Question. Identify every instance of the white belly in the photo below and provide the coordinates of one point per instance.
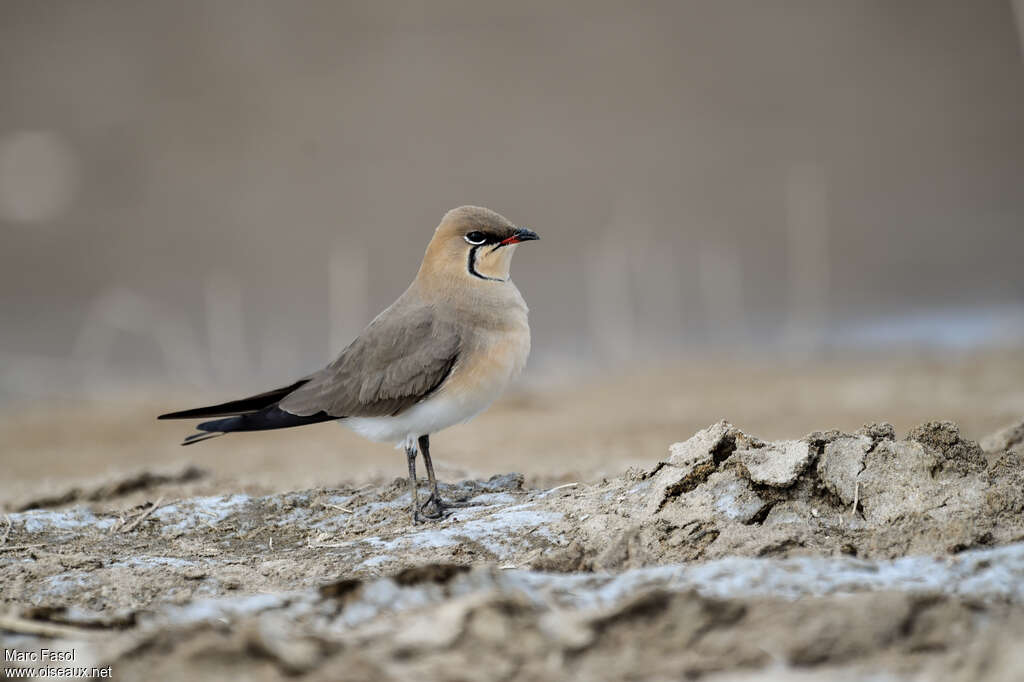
(430, 416)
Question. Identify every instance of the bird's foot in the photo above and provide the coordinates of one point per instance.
(435, 508)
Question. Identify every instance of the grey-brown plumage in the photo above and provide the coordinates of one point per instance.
(400, 359)
(437, 356)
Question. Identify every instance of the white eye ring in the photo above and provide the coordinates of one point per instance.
(481, 240)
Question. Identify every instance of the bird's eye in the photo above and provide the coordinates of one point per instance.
(476, 238)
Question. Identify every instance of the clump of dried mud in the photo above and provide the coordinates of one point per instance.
(836, 555)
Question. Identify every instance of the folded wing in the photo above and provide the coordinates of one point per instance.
(401, 358)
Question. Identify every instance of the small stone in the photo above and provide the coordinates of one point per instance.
(777, 464)
(689, 464)
(714, 443)
(194, 573)
(841, 463)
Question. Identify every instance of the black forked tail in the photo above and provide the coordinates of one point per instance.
(272, 417)
(255, 413)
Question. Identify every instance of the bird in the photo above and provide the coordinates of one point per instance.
(436, 357)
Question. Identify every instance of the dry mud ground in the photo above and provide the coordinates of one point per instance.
(836, 556)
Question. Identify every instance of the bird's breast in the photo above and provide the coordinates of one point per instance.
(491, 359)
(494, 342)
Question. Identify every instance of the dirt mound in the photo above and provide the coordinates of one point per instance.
(847, 554)
(867, 494)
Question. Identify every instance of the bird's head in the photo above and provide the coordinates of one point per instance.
(475, 243)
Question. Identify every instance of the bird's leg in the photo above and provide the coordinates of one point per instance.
(434, 507)
(410, 455)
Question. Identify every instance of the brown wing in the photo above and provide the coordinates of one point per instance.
(402, 357)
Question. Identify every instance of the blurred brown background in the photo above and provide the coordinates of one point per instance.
(810, 211)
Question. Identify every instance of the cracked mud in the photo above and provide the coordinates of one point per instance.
(833, 556)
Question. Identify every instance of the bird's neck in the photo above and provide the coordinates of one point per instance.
(485, 264)
(465, 295)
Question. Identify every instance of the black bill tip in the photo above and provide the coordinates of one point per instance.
(521, 235)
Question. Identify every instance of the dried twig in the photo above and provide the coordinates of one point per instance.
(142, 517)
(338, 507)
(33, 627)
(326, 545)
(15, 548)
(564, 485)
(856, 498)
(118, 525)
